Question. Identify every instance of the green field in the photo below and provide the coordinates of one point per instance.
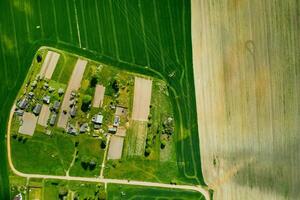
(118, 192)
(127, 34)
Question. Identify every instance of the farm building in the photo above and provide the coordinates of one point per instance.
(46, 99)
(73, 111)
(23, 103)
(19, 112)
(84, 128)
(97, 119)
(37, 109)
(56, 106)
(52, 119)
(116, 121)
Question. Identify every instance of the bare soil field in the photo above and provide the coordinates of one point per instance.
(74, 84)
(44, 115)
(49, 64)
(99, 96)
(115, 147)
(141, 99)
(29, 123)
(246, 67)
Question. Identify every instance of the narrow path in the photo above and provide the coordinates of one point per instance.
(104, 157)
(72, 163)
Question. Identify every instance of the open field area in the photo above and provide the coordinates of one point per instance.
(116, 192)
(247, 85)
(138, 36)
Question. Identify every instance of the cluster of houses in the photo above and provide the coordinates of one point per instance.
(30, 99)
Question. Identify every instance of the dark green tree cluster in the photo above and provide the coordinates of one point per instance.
(88, 163)
(86, 101)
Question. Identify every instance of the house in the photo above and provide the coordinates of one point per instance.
(45, 86)
(73, 111)
(19, 112)
(116, 121)
(97, 126)
(18, 197)
(37, 109)
(23, 103)
(56, 106)
(46, 99)
(97, 119)
(72, 130)
(30, 95)
(60, 91)
(112, 129)
(52, 119)
(84, 128)
(51, 89)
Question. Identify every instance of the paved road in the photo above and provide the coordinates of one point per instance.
(200, 189)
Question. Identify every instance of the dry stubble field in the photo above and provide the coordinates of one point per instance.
(246, 64)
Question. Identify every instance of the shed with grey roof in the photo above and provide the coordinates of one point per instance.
(52, 119)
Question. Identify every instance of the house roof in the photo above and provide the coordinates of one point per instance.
(37, 109)
(23, 103)
(97, 119)
(116, 121)
(52, 119)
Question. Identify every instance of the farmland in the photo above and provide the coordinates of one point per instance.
(247, 87)
(138, 36)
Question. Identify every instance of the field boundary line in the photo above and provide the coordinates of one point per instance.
(69, 20)
(159, 37)
(77, 25)
(129, 32)
(114, 31)
(172, 31)
(144, 34)
(84, 24)
(99, 26)
(55, 20)
(41, 20)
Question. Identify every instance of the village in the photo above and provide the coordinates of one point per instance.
(105, 106)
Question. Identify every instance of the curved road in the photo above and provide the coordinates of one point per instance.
(197, 188)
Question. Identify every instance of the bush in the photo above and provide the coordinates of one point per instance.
(148, 151)
(86, 100)
(163, 144)
(39, 58)
(94, 81)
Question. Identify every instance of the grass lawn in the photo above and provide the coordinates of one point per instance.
(90, 147)
(81, 189)
(43, 154)
(118, 192)
(64, 68)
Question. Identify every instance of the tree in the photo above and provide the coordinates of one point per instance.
(115, 86)
(86, 100)
(163, 143)
(148, 151)
(93, 163)
(93, 81)
(63, 191)
(103, 144)
(102, 195)
(39, 58)
(85, 162)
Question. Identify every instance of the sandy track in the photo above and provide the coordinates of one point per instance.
(141, 99)
(49, 64)
(44, 115)
(247, 94)
(99, 96)
(74, 84)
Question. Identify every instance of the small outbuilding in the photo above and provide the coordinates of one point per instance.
(84, 128)
(73, 111)
(60, 91)
(56, 106)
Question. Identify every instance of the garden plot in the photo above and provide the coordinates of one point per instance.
(141, 99)
(29, 123)
(74, 84)
(49, 64)
(115, 147)
(99, 96)
(136, 138)
(44, 115)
